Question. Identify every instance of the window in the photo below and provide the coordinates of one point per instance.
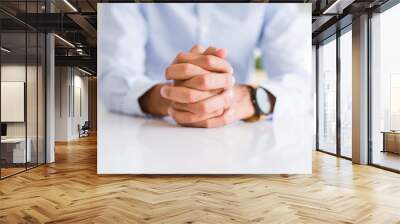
(385, 89)
(346, 93)
(327, 96)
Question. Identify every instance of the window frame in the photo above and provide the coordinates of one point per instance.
(334, 37)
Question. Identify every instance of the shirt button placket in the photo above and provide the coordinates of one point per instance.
(203, 26)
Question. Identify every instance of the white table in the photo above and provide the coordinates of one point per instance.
(132, 145)
(18, 144)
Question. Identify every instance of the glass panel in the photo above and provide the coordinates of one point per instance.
(13, 87)
(31, 100)
(327, 96)
(386, 89)
(32, 88)
(41, 110)
(41, 98)
(23, 89)
(346, 93)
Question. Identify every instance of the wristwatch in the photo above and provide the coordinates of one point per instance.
(260, 98)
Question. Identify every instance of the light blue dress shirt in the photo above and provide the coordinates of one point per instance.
(138, 41)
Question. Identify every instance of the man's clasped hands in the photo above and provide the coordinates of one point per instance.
(203, 92)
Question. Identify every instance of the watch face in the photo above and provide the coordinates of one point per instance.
(263, 100)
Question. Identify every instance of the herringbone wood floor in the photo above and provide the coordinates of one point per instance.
(70, 191)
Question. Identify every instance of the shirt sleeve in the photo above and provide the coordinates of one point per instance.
(285, 46)
(122, 40)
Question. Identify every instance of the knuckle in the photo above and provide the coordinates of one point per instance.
(180, 56)
(202, 82)
(203, 107)
(196, 46)
(186, 68)
(191, 119)
(168, 72)
(208, 60)
(188, 118)
(190, 96)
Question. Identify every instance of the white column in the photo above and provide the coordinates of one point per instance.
(50, 99)
(50, 92)
(360, 90)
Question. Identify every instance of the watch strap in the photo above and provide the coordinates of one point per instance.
(257, 112)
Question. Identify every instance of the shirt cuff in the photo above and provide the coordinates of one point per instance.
(130, 102)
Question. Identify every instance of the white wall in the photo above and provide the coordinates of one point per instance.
(71, 94)
(11, 73)
(62, 82)
(80, 103)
